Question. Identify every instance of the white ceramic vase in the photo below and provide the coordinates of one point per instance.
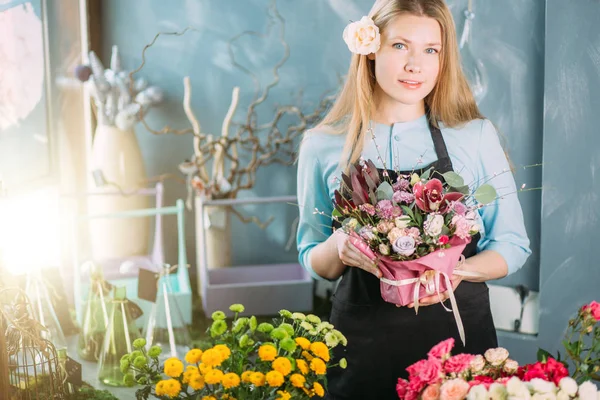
(117, 154)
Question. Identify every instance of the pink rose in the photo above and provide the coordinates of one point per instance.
(458, 363)
(455, 389)
(431, 392)
(431, 371)
(462, 226)
(594, 309)
(442, 349)
(402, 387)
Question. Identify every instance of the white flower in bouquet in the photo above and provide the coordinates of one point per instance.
(517, 389)
(384, 249)
(496, 356)
(478, 392)
(402, 222)
(497, 391)
(569, 386)
(433, 224)
(510, 366)
(588, 391)
(543, 396)
(404, 245)
(478, 363)
(542, 386)
(562, 395)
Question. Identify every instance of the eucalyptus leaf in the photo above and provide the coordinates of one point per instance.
(426, 174)
(485, 194)
(461, 189)
(385, 191)
(453, 179)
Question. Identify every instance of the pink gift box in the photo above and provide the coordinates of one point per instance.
(444, 261)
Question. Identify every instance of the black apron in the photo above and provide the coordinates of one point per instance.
(384, 339)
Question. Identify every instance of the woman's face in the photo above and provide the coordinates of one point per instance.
(408, 61)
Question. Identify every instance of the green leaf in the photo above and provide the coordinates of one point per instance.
(543, 355)
(385, 191)
(426, 174)
(453, 179)
(408, 212)
(419, 218)
(485, 194)
(462, 189)
(336, 213)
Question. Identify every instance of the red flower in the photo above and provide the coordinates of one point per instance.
(444, 239)
(430, 196)
(482, 380)
(402, 387)
(442, 349)
(551, 371)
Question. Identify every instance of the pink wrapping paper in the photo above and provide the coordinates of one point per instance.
(399, 270)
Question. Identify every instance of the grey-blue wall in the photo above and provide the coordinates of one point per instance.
(532, 58)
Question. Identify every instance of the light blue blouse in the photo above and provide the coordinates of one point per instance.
(476, 154)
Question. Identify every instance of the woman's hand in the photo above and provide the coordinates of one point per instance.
(352, 256)
(434, 299)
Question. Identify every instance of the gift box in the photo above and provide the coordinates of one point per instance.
(404, 282)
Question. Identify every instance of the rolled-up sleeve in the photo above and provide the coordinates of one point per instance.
(315, 206)
(504, 228)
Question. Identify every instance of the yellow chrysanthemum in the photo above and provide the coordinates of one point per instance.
(282, 365)
(302, 366)
(193, 356)
(307, 355)
(230, 380)
(303, 342)
(318, 389)
(173, 367)
(227, 397)
(212, 358)
(257, 379)
(275, 378)
(246, 376)
(169, 388)
(297, 380)
(213, 376)
(187, 375)
(318, 366)
(224, 350)
(283, 395)
(267, 352)
(191, 368)
(209, 398)
(196, 381)
(204, 368)
(320, 350)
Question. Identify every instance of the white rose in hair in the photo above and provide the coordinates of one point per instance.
(568, 385)
(362, 37)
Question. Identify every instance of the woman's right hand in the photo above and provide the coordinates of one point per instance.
(351, 256)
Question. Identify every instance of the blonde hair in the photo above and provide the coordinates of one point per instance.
(450, 102)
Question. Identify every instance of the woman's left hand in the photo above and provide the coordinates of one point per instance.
(434, 299)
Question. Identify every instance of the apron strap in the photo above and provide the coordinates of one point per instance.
(445, 164)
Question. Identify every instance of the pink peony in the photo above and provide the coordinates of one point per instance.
(431, 392)
(455, 389)
(442, 349)
(458, 363)
(462, 226)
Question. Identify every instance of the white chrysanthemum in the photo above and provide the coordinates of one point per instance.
(562, 395)
(588, 391)
(478, 392)
(298, 316)
(569, 386)
(497, 391)
(542, 386)
(543, 396)
(307, 326)
(517, 389)
(331, 340)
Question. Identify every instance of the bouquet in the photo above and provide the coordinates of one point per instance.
(243, 360)
(495, 376)
(416, 226)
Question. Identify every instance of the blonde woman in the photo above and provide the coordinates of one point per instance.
(406, 84)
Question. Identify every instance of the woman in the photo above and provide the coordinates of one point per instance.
(405, 83)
